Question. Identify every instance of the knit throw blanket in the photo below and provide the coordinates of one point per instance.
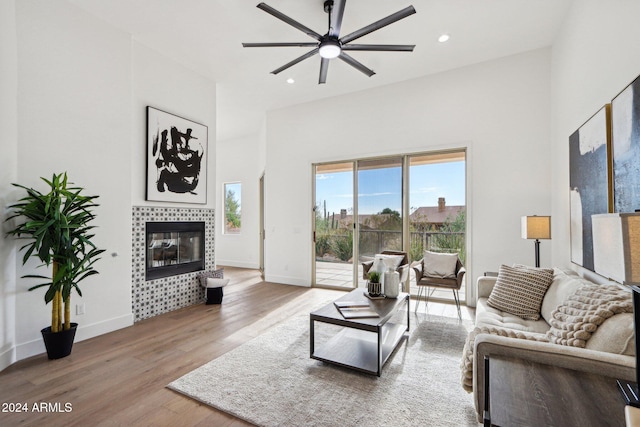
(466, 365)
(572, 323)
(578, 317)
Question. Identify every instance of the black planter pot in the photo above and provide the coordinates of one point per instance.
(59, 344)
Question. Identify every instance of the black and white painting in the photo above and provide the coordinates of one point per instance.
(625, 122)
(176, 158)
(588, 182)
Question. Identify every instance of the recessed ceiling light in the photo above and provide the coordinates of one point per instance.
(443, 38)
(290, 81)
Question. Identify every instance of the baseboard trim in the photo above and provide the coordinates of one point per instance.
(286, 280)
(101, 328)
(35, 347)
(238, 264)
(7, 357)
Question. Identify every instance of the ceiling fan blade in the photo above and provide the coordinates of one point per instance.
(407, 11)
(335, 18)
(310, 44)
(295, 61)
(281, 16)
(324, 68)
(355, 64)
(380, 47)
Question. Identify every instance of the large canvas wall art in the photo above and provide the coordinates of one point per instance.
(176, 158)
(589, 183)
(625, 122)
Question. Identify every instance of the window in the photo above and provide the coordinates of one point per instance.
(232, 208)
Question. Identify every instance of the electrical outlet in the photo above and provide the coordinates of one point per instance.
(80, 309)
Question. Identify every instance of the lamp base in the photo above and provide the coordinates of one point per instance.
(630, 392)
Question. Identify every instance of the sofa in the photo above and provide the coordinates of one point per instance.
(602, 344)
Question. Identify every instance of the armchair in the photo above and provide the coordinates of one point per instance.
(452, 281)
(403, 268)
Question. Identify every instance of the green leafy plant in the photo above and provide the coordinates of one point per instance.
(342, 246)
(59, 234)
(322, 244)
(374, 277)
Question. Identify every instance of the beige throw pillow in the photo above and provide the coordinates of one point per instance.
(520, 290)
(439, 264)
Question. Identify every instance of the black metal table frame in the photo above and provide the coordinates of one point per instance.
(362, 325)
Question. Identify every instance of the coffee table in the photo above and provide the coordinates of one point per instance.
(363, 344)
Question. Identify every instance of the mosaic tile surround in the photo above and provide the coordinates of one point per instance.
(153, 297)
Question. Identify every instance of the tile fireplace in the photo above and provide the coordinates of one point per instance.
(152, 295)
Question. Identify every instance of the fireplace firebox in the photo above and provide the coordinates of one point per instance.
(174, 248)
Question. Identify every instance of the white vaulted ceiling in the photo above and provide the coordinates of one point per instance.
(207, 36)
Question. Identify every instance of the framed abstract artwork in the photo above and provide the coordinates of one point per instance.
(589, 182)
(176, 158)
(625, 123)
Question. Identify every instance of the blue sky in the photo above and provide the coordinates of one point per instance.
(381, 188)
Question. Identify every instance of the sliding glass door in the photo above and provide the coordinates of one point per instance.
(437, 222)
(333, 225)
(379, 208)
(410, 203)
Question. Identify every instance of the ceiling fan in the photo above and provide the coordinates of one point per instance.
(331, 45)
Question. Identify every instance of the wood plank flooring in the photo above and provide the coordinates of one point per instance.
(119, 379)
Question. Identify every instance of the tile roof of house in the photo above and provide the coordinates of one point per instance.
(436, 214)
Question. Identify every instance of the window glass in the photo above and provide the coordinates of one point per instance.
(232, 208)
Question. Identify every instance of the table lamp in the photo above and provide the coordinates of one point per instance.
(536, 227)
(616, 256)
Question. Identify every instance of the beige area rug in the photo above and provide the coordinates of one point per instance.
(272, 381)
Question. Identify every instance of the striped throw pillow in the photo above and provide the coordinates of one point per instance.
(520, 290)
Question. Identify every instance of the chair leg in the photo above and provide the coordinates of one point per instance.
(456, 297)
(429, 292)
(418, 298)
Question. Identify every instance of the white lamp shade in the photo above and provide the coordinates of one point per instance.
(536, 227)
(616, 246)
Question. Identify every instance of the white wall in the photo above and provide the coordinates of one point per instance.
(82, 89)
(8, 174)
(593, 59)
(239, 161)
(167, 85)
(74, 115)
(499, 110)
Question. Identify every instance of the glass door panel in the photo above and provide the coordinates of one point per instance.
(333, 225)
(379, 208)
(437, 223)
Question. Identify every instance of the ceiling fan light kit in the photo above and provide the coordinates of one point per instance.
(330, 49)
(331, 45)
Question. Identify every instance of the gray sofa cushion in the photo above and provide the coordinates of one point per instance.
(487, 316)
(564, 284)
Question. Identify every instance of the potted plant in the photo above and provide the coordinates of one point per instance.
(374, 287)
(59, 234)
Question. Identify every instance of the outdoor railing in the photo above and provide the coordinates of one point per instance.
(340, 245)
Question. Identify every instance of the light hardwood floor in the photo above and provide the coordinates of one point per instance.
(119, 379)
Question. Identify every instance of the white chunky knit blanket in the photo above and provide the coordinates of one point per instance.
(572, 322)
(466, 365)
